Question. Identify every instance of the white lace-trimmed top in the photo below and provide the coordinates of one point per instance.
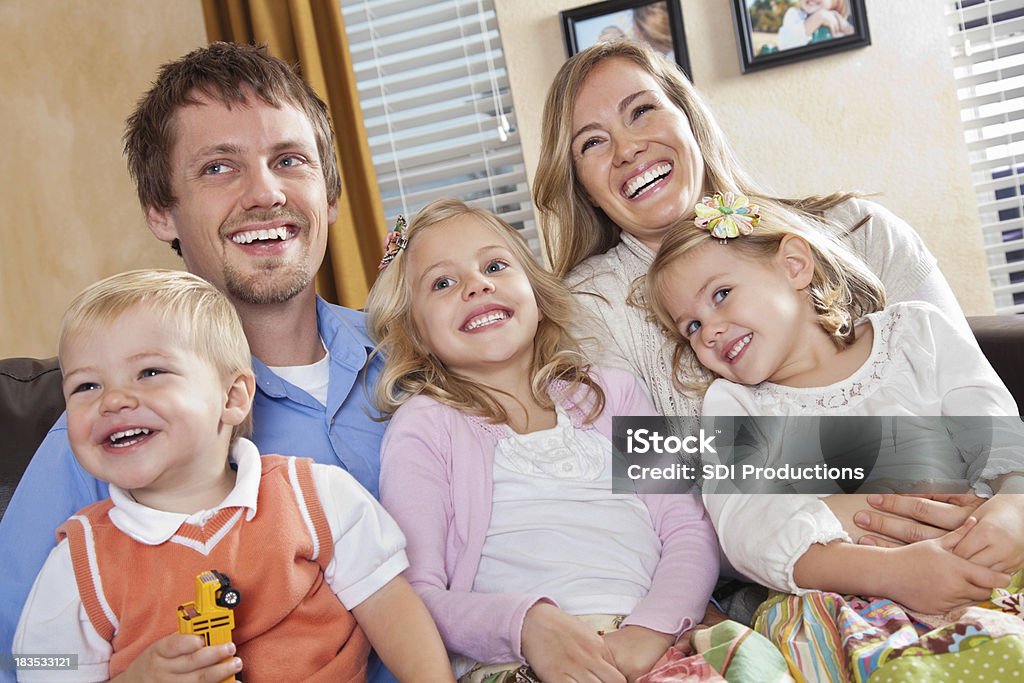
(557, 529)
(921, 364)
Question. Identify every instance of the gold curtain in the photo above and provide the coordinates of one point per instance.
(311, 33)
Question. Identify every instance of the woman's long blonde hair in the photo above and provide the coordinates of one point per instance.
(842, 288)
(411, 369)
(575, 229)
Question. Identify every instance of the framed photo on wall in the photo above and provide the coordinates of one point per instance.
(776, 32)
(658, 23)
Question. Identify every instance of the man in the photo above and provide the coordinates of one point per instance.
(233, 158)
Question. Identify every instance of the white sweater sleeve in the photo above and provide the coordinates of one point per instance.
(988, 434)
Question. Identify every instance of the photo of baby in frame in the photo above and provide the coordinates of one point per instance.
(776, 32)
(658, 23)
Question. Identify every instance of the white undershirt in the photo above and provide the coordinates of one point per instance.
(310, 378)
(557, 529)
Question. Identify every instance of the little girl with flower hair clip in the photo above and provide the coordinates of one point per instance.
(771, 317)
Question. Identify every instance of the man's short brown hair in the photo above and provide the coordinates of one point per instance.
(225, 72)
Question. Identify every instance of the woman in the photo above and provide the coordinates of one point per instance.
(638, 147)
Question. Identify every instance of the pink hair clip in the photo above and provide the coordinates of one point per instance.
(396, 241)
(728, 216)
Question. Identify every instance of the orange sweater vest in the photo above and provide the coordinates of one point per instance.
(289, 625)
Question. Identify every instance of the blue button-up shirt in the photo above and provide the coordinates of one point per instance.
(287, 421)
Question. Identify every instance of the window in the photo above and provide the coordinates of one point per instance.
(988, 60)
(437, 107)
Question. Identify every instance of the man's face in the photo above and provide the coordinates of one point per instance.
(252, 211)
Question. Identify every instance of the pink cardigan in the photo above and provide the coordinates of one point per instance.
(436, 480)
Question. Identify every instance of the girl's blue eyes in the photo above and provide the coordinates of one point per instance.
(492, 267)
(151, 372)
(718, 297)
(84, 386)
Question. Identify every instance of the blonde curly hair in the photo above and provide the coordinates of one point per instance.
(411, 368)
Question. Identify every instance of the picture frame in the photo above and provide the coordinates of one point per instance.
(775, 32)
(658, 23)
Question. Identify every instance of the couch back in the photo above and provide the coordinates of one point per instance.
(31, 400)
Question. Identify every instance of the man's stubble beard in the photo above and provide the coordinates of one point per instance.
(269, 284)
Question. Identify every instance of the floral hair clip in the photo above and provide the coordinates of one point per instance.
(725, 217)
(396, 241)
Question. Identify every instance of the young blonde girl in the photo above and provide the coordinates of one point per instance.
(791, 323)
(497, 465)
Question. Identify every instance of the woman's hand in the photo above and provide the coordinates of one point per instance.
(904, 518)
(928, 577)
(635, 649)
(183, 658)
(560, 648)
(997, 542)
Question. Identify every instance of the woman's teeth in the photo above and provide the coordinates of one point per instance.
(637, 184)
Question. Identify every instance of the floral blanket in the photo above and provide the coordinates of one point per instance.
(830, 637)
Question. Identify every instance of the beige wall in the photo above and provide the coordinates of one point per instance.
(877, 119)
(72, 71)
(871, 119)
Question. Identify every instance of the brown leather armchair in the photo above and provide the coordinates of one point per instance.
(31, 399)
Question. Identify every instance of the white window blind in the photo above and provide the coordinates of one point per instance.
(437, 107)
(988, 60)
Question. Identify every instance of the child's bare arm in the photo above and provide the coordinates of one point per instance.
(183, 659)
(402, 632)
(844, 506)
(924, 576)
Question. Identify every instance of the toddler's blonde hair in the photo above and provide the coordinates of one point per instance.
(203, 316)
